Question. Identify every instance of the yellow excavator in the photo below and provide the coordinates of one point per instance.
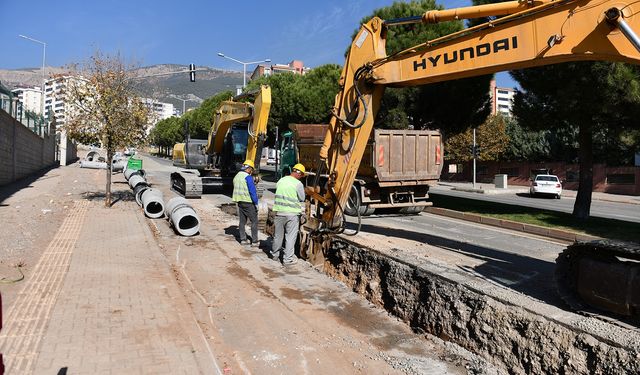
(529, 33)
(238, 132)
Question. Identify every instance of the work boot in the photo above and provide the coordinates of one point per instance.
(290, 262)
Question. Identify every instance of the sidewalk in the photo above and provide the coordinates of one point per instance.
(102, 299)
(516, 189)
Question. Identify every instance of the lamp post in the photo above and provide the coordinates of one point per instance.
(44, 54)
(244, 66)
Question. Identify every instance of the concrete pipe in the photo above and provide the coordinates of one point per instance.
(136, 180)
(138, 190)
(153, 203)
(93, 156)
(93, 164)
(182, 216)
(130, 172)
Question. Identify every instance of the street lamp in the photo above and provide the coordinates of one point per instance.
(44, 54)
(244, 66)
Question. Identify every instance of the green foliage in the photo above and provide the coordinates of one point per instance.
(451, 106)
(201, 118)
(491, 138)
(604, 97)
(301, 99)
(525, 144)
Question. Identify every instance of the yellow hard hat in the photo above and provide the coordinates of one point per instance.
(249, 163)
(299, 167)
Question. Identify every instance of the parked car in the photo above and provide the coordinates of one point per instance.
(546, 184)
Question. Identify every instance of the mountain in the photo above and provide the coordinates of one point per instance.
(164, 88)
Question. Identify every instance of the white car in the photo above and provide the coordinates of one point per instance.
(546, 184)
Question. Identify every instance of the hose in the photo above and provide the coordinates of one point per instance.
(5, 281)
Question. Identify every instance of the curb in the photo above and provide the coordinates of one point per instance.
(512, 225)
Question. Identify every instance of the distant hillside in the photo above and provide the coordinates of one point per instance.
(163, 88)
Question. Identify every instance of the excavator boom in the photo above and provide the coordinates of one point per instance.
(530, 33)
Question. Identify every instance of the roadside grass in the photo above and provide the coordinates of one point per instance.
(595, 226)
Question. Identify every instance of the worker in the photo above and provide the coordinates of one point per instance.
(288, 208)
(246, 196)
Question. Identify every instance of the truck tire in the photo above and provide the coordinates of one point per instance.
(354, 204)
(414, 210)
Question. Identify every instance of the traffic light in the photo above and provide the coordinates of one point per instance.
(192, 72)
(475, 151)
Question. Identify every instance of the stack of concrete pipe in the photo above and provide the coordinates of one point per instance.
(182, 216)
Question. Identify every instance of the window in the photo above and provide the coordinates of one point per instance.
(503, 106)
(503, 99)
(503, 92)
(621, 178)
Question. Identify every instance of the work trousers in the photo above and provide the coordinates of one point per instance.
(247, 210)
(286, 228)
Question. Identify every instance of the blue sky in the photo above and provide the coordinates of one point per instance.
(182, 32)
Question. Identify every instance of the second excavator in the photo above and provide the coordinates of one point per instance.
(237, 134)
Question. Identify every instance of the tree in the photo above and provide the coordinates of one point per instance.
(104, 108)
(301, 98)
(451, 106)
(491, 139)
(588, 99)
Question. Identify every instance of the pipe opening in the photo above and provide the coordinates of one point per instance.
(154, 207)
(188, 222)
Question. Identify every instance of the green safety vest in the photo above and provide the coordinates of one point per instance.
(240, 189)
(287, 196)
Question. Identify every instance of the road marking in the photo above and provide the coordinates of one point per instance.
(29, 316)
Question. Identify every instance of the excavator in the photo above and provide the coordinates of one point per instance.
(528, 33)
(238, 132)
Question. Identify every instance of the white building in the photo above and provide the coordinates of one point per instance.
(502, 99)
(160, 110)
(31, 98)
(55, 105)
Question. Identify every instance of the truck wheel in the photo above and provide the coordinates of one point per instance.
(411, 210)
(366, 210)
(353, 203)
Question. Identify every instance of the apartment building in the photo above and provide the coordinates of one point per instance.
(30, 97)
(56, 107)
(295, 67)
(160, 110)
(501, 99)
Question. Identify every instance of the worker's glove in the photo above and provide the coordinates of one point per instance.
(303, 219)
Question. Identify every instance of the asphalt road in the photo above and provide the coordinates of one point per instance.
(605, 209)
(518, 261)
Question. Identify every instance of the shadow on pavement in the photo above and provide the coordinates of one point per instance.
(12, 188)
(116, 196)
(527, 275)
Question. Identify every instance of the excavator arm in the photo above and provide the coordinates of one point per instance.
(531, 33)
(232, 111)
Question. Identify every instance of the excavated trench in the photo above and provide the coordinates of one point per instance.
(517, 333)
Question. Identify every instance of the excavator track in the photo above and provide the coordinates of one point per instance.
(603, 275)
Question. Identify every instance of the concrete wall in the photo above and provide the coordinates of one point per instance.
(22, 152)
(520, 173)
(68, 151)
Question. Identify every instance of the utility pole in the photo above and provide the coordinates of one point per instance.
(475, 153)
(244, 66)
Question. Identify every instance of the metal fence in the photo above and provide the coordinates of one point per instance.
(10, 104)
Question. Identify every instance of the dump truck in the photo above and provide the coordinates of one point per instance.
(396, 170)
